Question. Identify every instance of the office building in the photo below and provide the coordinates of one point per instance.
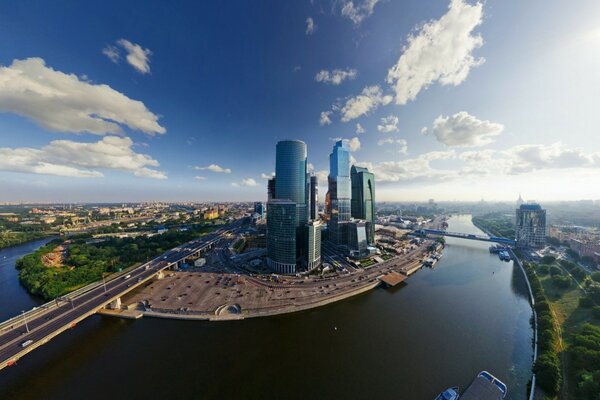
(290, 175)
(358, 245)
(314, 198)
(339, 193)
(259, 208)
(530, 229)
(293, 244)
(271, 189)
(363, 199)
(281, 236)
(312, 245)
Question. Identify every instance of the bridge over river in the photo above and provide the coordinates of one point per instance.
(483, 238)
(26, 332)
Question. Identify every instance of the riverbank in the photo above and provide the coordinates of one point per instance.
(20, 238)
(223, 296)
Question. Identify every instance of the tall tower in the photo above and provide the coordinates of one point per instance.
(290, 175)
(363, 199)
(292, 243)
(314, 197)
(339, 192)
(530, 229)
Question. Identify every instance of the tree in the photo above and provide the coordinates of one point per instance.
(554, 270)
(548, 260)
(596, 276)
(547, 370)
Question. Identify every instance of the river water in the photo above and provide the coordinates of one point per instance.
(469, 313)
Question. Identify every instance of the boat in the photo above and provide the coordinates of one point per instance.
(485, 387)
(449, 394)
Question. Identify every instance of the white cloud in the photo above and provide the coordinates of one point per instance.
(388, 124)
(357, 13)
(199, 178)
(353, 144)
(245, 182)
(112, 53)
(440, 51)
(76, 159)
(311, 27)
(63, 103)
(137, 56)
(322, 176)
(213, 168)
(370, 98)
(415, 169)
(267, 176)
(325, 118)
(528, 158)
(336, 77)
(359, 129)
(402, 144)
(464, 130)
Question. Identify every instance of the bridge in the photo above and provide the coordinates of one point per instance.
(483, 238)
(28, 331)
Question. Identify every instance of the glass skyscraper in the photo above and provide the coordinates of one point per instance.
(290, 175)
(530, 230)
(281, 236)
(363, 199)
(339, 193)
(292, 243)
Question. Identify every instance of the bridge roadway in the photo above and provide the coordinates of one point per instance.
(482, 238)
(55, 320)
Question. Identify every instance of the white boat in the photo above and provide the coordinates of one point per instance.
(449, 394)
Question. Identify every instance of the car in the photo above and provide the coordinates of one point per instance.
(26, 343)
(127, 276)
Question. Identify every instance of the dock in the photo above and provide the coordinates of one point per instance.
(392, 279)
(482, 389)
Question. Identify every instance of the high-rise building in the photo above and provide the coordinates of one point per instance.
(520, 201)
(293, 244)
(530, 229)
(312, 245)
(290, 175)
(314, 198)
(363, 199)
(339, 193)
(259, 208)
(281, 236)
(271, 189)
(357, 238)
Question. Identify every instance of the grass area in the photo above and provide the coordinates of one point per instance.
(386, 257)
(570, 319)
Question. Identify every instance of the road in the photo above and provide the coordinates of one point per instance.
(68, 312)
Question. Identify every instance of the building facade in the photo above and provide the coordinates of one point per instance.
(312, 245)
(339, 193)
(281, 236)
(363, 199)
(530, 227)
(290, 175)
(357, 238)
(314, 198)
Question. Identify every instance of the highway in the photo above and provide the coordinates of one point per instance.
(45, 325)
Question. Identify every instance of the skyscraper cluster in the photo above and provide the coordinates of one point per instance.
(293, 223)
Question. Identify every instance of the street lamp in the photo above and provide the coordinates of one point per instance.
(25, 319)
(104, 282)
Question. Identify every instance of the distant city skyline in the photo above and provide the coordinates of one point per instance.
(452, 99)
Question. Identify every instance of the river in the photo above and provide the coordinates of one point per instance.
(440, 329)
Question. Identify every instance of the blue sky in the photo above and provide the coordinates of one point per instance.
(141, 101)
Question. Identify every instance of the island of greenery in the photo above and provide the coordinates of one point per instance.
(64, 265)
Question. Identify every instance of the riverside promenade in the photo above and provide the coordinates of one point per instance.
(225, 296)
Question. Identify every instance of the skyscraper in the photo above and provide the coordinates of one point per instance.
(339, 192)
(312, 245)
(530, 229)
(271, 189)
(281, 236)
(314, 198)
(290, 175)
(363, 199)
(292, 243)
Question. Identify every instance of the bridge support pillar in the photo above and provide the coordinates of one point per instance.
(160, 275)
(115, 304)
